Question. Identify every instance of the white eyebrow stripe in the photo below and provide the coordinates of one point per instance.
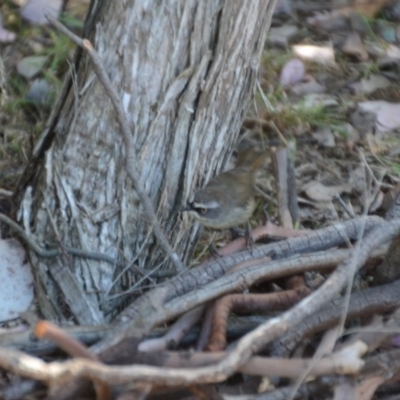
(209, 204)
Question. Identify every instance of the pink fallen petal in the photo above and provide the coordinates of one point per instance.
(388, 118)
(5, 35)
(292, 73)
(396, 341)
(35, 11)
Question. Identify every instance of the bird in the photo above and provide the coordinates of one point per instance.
(229, 199)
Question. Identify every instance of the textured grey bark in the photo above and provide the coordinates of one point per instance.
(185, 71)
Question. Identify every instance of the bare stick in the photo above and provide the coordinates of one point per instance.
(47, 330)
(126, 136)
(54, 253)
(175, 333)
(347, 361)
(93, 255)
(339, 199)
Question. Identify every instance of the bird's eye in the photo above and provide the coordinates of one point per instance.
(202, 210)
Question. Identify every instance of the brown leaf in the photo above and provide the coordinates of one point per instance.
(354, 47)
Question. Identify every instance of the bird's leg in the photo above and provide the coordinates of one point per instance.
(249, 238)
(236, 232)
(213, 251)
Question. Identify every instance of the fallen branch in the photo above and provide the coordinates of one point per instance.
(175, 333)
(363, 303)
(141, 316)
(267, 332)
(40, 251)
(47, 330)
(347, 361)
(250, 303)
(27, 342)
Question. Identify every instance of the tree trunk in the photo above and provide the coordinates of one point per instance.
(185, 71)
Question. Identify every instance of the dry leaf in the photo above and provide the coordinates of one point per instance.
(354, 47)
(310, 85)
(377, 202)
(319, 192)
(369, 8)
(330, 20)
(320, 54)
(280, 36)
(28, 67)
(324, 137)
(374, 82)
(387, 114)
(313, 100)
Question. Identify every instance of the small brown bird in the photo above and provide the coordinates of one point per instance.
(228, 199)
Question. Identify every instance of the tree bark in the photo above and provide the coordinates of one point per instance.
(185, 71)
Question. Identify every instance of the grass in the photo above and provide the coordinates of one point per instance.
(23, 119)
(58, 53)
(71, 21)
(300, 119)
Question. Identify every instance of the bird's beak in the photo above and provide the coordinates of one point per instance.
(188, 207)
